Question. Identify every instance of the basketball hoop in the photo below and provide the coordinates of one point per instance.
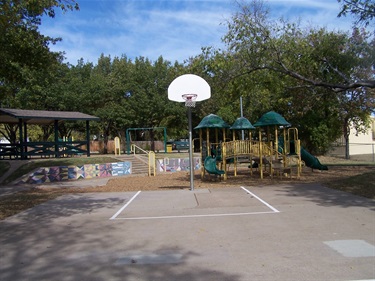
(189, 83)
(190, 99)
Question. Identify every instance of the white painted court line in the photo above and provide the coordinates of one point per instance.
(273, 211)
(264, 202)
(123, 207)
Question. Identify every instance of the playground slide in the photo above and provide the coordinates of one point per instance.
(311, 161)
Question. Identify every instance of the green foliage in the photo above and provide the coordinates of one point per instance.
(26, 61)
(315, 78)
(318, 139)
(320, 81)
(362, 10)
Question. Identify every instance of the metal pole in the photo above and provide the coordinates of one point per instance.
(191, 160)
(127, 142)
(165, 140)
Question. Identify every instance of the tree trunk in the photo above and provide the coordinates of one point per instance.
(105, 142)
(346, 137)
(105, 137)
(10, 132)
(47, 131)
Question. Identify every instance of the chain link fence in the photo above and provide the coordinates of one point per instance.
(364, 152)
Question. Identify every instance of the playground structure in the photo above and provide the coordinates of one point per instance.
(275, 149)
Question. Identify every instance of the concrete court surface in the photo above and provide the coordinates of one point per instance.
(281, 232)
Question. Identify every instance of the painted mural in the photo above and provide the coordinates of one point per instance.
(63, 173)
(176, 164)
(89, 171)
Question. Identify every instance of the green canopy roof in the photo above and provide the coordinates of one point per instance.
(270, 119)
(242, 124)
(212, 121)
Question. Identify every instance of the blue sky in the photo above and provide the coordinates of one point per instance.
(174, 29)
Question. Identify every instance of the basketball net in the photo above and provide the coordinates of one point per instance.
(190, 99)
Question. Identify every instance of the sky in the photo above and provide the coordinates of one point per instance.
(174, 29)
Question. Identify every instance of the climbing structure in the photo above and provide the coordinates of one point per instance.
(279, 145)
(212, 133)
(274, 148)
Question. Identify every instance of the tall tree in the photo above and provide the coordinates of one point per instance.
(148, 95)
(24, 51)
(304, 72)
(258, 43)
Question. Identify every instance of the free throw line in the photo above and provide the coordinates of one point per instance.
(273, 210)
(261, 200)
(123, 207)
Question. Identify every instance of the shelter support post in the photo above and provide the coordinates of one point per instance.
(88, 138)
(25, 138)
(20, 125)
(56, 126)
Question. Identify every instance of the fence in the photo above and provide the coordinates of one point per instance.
(98, 146)
(357, 151)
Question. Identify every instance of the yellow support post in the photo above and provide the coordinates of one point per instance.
(260, 154)
(117, 146)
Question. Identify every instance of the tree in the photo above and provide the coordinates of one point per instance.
(148, 96)
(24, 52)
(259, 44)
(302, 73)
(362, 10)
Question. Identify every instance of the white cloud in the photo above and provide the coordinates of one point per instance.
(175, 29)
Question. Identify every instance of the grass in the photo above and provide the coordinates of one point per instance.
(361, 185)
(23, 200)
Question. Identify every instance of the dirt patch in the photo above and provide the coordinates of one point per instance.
(358, 180)
(181, 180)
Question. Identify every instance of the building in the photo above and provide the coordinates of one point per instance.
(361, 146)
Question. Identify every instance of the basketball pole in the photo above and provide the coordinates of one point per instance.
(191, 150)
(186, 88)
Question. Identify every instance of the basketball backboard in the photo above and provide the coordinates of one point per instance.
(189, 85)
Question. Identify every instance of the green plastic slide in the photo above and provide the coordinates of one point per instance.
(210, 166)
(311, 161)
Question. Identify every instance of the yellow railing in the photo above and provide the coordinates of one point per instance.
(151, 158)
(240, 147)
(264, 152)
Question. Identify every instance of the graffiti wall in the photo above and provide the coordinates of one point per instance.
(63, 173)
(176, 164)
(89, 171)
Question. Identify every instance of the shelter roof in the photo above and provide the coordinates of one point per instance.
(271, 118)
(212, 121)
(242, 123)
(41, 117)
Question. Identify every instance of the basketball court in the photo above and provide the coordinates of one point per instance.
(283, 232)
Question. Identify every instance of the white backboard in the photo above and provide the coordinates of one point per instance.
(189, 84)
